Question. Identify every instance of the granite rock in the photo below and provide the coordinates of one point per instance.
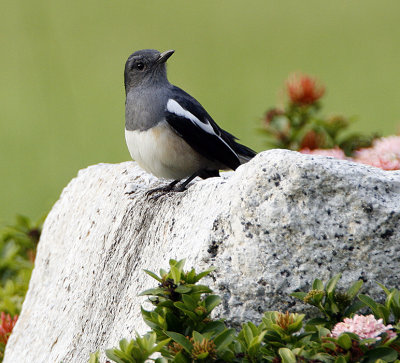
(269, 228)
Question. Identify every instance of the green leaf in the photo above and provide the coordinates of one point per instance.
(176, 274)
(387, 292)
(163, 272)
(340, 359)
(181, 339)
(323, 332)
(114, 354)
(331, 285)
(248, 334)
(160, 345)
(183, 289)
(202, 274)
(385, 353)
(287, 355)
(190, 303)
(354, 289)
(211, 302)
(215, 327)
(354, 307)
(299, 295)
(223, 339)
(378, 310)
(154, 292)
(201, 289)
(94, 357)
(369, 302)
(384, 313)
(318, 285)
(153, 275)
(181, 306)
(344, 341)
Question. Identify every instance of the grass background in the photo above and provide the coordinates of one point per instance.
(61, 67)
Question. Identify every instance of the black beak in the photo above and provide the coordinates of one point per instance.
(165, 55)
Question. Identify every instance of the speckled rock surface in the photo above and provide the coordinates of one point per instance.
(270, 228)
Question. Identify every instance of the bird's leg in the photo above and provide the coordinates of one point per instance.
(164, 189)
(182, 187)
(171, 187)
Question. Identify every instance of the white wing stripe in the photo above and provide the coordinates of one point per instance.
(177, 109)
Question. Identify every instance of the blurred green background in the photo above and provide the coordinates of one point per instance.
(61, 64)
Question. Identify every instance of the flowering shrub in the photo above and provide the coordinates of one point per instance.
(182, 329)
(299, 126)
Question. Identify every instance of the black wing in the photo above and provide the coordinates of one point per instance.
(191, 121)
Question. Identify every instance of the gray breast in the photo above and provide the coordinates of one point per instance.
(144, 108)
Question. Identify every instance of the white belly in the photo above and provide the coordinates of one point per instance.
(161, 152)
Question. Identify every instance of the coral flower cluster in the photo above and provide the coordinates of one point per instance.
(303, 89)
(364, 326)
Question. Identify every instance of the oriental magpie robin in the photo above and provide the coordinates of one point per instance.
(167, 131)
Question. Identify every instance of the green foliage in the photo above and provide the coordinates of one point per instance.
(182, 330)
(17, 253)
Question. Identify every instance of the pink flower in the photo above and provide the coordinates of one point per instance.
(6, 326)
(336, 152)
(384, 153)
(364, 326)
(303, 89)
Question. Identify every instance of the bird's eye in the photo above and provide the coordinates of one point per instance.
(140, 66)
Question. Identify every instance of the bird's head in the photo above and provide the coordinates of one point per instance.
(146, 67)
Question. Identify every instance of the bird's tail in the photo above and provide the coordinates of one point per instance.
(245, 153)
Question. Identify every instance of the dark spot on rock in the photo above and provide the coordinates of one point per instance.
(285, 273)
(262, 282)
(387, 234)
(367, 208)
(213, 249)
(334, 253)
(328, 212)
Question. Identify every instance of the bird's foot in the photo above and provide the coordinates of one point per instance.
(160, 191)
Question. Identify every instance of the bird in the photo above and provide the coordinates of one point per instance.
(168, 132)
